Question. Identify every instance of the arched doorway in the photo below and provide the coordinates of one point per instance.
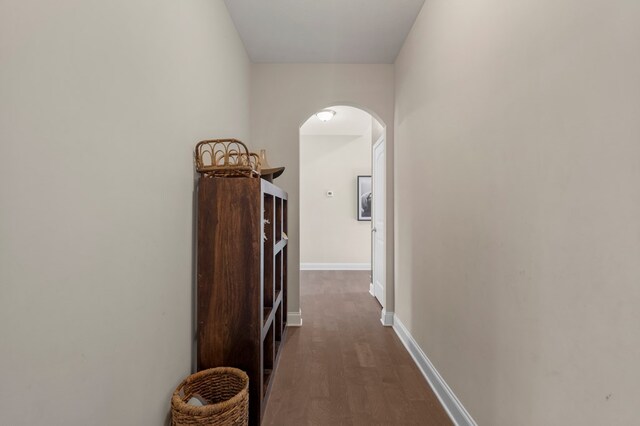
(343, 195)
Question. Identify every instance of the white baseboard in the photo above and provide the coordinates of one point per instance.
(294, 319)
(447, 398)
(335, 266)
(386, 318)
(371, 290)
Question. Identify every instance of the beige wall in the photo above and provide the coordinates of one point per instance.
(284, 96)
(101, 103)
(518, 206)
(329, 229)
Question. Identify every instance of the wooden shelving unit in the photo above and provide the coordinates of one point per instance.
(242, 280)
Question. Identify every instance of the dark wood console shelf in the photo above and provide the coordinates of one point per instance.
(242, 280)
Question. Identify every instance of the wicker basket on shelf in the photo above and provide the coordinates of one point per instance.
(226, 158)
(225, 391)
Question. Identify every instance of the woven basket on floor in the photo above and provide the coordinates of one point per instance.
(225, 389)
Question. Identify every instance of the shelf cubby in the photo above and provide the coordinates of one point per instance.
(268, 358)
(278, 219)
(279, 329)
(268, 239)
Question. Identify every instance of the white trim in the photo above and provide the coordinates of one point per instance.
(335, 266)
(447, 398)
(294, 319)
(386, 318)
(371, 292)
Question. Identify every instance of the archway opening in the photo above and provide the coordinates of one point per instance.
(342, 196)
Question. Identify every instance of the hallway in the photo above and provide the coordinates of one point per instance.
(342, 367)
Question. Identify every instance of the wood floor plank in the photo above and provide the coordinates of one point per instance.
(342, 367)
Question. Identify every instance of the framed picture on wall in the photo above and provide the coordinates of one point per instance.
(364, 198)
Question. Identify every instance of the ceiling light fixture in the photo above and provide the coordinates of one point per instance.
(325, 114)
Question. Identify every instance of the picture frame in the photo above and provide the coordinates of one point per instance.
(364, 199)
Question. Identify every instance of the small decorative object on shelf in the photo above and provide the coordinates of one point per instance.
(226, 158)
(266, 171)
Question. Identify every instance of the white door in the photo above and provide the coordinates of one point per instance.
(377, 221)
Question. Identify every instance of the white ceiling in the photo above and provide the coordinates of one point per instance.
(331, 31)
(347, 121)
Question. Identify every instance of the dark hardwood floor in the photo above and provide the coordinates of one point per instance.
(342, 367)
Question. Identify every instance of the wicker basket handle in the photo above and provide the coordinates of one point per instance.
(226, 157)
